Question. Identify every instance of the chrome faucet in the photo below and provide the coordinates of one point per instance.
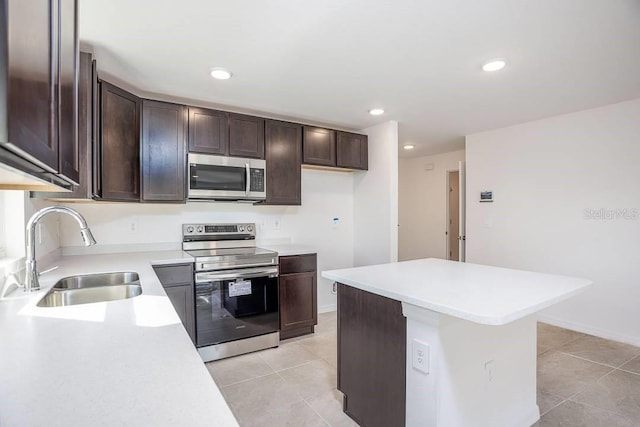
(31, 282)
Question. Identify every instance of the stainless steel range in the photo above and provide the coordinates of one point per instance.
(236, 287)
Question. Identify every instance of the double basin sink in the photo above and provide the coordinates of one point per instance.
(88, 288)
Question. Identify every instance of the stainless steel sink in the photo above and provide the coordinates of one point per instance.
(94, 280)
(88, 288)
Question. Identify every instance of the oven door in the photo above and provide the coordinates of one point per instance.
(236, 304)
(219, 177)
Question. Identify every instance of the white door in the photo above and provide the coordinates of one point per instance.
(462, 217)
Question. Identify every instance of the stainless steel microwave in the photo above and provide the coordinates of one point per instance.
(226, 178)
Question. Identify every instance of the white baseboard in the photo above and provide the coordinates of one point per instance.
(590, 330)
(327, 308)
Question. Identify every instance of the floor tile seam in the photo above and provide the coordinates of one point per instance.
(316, 412)
(587, 360)
(572, 399)
(628, 371)
(248, 379)
(277, 371)
(555, 406)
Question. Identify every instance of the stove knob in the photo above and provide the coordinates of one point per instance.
(200, 229)
(189, 229)
(241, 228)
(249, 228)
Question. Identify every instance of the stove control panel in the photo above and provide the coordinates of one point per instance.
(213, 230)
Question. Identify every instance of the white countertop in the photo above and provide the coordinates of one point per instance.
(290, 249)
(478, 293)
(127, 362)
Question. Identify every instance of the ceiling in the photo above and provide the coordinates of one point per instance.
(329, 62)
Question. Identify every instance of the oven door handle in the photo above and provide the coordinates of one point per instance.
(248, 172)
(244, 273)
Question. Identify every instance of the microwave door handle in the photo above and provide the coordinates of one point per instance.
(248, 172)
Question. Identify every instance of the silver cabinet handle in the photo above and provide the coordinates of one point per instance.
(245, 273)
(248, 171)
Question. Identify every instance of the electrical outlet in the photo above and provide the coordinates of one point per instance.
(276, 224)
(420, 356)
(133, 226)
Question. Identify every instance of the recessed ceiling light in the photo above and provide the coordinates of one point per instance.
(494, 64)
(376, 111)
(408, 146)
(220, 74)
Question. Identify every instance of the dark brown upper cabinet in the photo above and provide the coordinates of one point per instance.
(163, 153)
(208, 131)
(118, 152)
(352, 151)
(246, 136)
(319, 146)
(87, 81)
(283, 148)
(38, 88)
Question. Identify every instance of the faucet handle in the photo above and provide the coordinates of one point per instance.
(48, 270)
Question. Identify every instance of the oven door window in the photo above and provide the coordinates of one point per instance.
(217, 178)
(227, 310)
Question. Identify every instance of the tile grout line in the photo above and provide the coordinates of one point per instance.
(316, 412)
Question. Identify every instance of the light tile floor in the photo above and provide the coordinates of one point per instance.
(582, 381)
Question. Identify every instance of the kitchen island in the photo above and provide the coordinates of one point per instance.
(440, 343)
(128, 362)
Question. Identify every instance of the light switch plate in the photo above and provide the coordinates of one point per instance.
(420, 356)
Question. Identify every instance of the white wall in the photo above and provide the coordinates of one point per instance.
(325, 195)
(375, 198)
(422, 205)
(566, 200)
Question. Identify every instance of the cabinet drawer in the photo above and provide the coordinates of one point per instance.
(298, 263)
(177, 274)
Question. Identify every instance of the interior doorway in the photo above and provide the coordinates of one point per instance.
(453, 215)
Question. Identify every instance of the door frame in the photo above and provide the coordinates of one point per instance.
(447, 234)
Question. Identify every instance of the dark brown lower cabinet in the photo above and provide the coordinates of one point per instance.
(298, 295)
(177, 280)
(371, 357)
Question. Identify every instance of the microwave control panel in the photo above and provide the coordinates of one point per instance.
(257, 180)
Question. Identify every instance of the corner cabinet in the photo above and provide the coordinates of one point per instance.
(163, 152)
(118, 152)
(298, 295)
(38, 88)
(283, 154)
(177, 281)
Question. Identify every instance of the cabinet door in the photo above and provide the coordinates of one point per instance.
(31, 74)
(319, 146)
(119, 144)
(283, 156)
(246, 136)
(68, 92)
(163, 151)
(182, 299)
(298, 305)
(208, 131)
(352, 151)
